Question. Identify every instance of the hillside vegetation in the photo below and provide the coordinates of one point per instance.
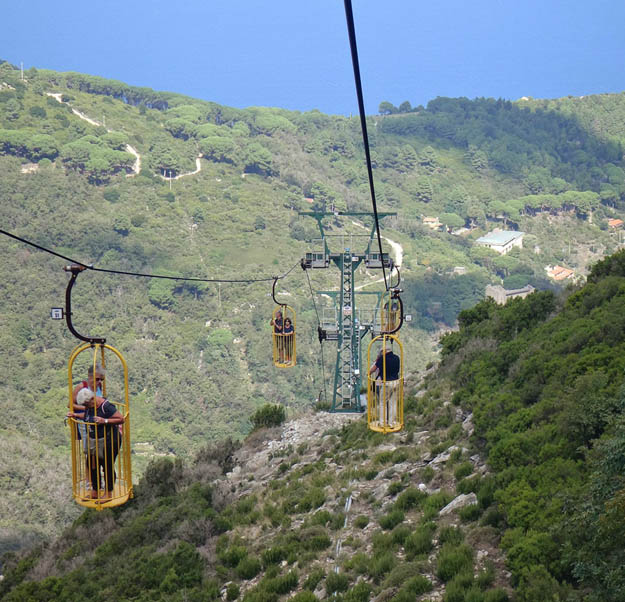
(327, 508)
(198, 352)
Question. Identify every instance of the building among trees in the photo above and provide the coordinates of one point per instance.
(501, 241)
(502, 295)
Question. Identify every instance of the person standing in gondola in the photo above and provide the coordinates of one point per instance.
(104, 440)
(278, 334)
(94, 381)
(288, 334)
(388, 366)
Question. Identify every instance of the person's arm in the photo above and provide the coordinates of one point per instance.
(78, 412)
(111, 418)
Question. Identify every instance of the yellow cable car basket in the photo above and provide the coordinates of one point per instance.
(283, 327)
(101, 466)
(385, 384)
(390, 313)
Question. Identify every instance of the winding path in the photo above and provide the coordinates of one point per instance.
(198, 169)
(136, 166)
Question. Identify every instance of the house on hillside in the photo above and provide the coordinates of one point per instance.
(29, 167)
(559, 273)
(615, 223)
(501, 241)
(502, 295)
(433, 223)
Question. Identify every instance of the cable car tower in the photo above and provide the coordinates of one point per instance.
(348, 327)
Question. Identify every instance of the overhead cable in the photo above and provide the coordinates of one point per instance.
(349, 15)
(323, 368)
(143, 275)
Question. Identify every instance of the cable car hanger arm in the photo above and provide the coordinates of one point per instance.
(75, 270)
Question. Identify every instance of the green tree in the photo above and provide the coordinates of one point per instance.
(258, 160)
(386, 108)
(218, 148)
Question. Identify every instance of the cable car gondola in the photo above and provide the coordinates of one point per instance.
(283, 333)
(100, 427)
(385, 384)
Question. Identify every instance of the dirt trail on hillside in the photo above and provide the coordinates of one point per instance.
(136, 167)
(398, 258)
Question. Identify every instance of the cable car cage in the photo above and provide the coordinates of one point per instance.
(391, 311)
(101, 464)
(385, 384)
(283, 323)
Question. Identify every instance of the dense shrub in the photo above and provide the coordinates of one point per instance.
(400, 533)
(462, 589)
(315, 540)
(419, 542)
(281, 585)
(453, 560)
(463, 470)
(395, 487)
(337, 582)
(470, 513)
(313, 579)
(267, 416)
(392, 519)
(232, 591)
(273, 555)
(496, 595)
(451, 535)
(248, 567)
(361, 521)
(358, 593)
(232, 555)
(381, 565)
(409, 499)
(418, 585)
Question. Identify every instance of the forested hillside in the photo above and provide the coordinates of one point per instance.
(138, 180)
(326, 508)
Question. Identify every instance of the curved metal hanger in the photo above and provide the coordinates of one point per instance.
(75, 270)
(273, 292)
(398, 279)
(395, 295)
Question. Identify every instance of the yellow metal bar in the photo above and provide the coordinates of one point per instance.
(385, 399)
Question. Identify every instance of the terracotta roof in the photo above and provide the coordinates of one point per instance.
(560, 273)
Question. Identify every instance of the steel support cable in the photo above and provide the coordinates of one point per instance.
(349, 15)
(323, 368)
(312, 296)
(142, 275)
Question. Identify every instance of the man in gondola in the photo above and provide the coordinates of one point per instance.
(388, 366)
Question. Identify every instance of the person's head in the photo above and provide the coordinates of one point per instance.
(95, 377)
(85, 397)
(287, 322)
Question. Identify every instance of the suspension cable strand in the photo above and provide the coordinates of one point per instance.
(323, 375)
(143, 275)
(312, 296)
(323, 368)
(349, 15)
